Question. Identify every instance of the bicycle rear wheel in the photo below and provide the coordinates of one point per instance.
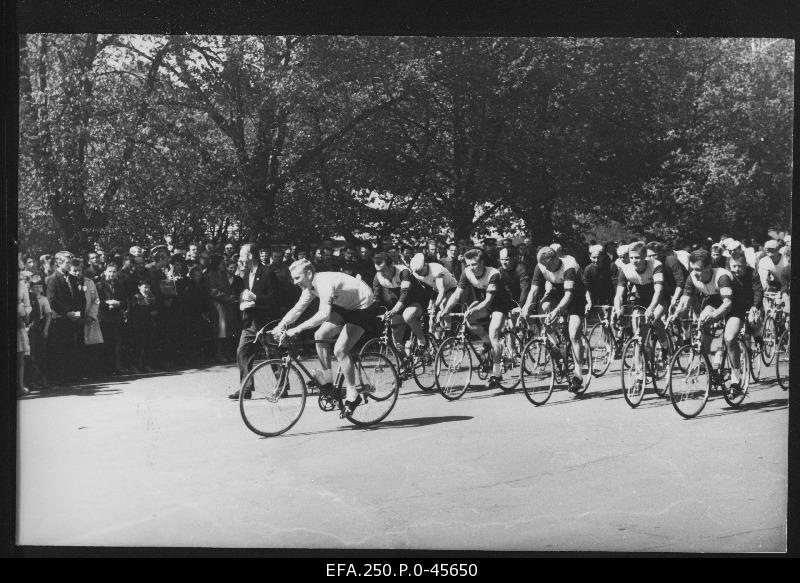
(769, 336)
(601, 342)
(277, 399)
(782, 361)
(739, 371)
(511, 359)
(633, 372)
(689, 390)
(453, 368)
(423, 366)
(538, 377)
(378, 387)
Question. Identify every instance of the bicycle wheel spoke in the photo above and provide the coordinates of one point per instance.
(689, 390)
(537, 372)
(453, 368)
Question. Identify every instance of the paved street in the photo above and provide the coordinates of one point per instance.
(166, 461)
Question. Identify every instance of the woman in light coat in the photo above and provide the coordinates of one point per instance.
(24, 309)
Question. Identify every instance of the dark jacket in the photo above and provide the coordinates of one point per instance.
(266, 288)
(518, 280)
(107, 291)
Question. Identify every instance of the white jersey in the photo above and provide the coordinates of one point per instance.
(437, 271)
(337, 289)
(766, 267)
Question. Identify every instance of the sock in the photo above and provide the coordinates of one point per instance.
(497, 370)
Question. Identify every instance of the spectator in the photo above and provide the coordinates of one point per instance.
(366, 268)
(113, 307)
(38, 333)
(432, 252)
(141, 321)
(23, 344)
(92, 335)
(193, 309)
(349, 263)
(62, 295)
(224, 315)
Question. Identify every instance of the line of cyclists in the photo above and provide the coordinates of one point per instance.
(653, 285)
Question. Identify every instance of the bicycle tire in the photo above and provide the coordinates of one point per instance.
(754, 356)
(422, 369)
(769, 339)
(379, 386)
(272, 409)
(586, 369)
(735, 398)
(783, 360)
(601, 341)
(633, 376)
(688, 391)
(453, 368)
(538, 375)
(511, 361)
(388, 350)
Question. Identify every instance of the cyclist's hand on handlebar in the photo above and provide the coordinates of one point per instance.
(648, 315)
(291, 332)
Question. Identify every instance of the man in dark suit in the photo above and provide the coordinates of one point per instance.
(113, 305)
(258, 304)
(64, 300)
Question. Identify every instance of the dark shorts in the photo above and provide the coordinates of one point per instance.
(738, 309)
(576, 306)
(367, 319)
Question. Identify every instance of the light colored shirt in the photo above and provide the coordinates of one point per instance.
(436, 271)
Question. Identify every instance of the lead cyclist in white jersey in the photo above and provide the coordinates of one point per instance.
(346, 310)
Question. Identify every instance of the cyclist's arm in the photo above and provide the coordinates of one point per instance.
(322, 315)
(305, 300)
(524, 282)
(537, 282)
(439, 282)
(758, 291)
(452, 301)
(657, 290)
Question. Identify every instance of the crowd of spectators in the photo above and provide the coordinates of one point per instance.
(102, 315)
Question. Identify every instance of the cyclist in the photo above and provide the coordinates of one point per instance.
(494, 302)
(716, 285)
(395, 288)
(439, 282)
(647, 276)
(597, 279)
(770, 265)
(749, 294)
(567, 292)
(515, 274)
(673, 270)
(346, 311)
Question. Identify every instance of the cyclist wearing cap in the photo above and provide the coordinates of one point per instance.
(647, 276)
(673, 271)
(402, 295)
(770, 265)
(569, 294)
(716, 285)
(494, 302)
(439, 282)
(345, 312)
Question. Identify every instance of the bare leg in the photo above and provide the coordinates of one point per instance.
(496, 324)
(575, 329)
(732, 327)
(411, 317)
(347, 339)
(328, 331)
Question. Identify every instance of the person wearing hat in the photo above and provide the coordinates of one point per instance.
(770, 265)
(39, 331)
(438, 281)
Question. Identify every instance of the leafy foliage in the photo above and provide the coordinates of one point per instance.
(125, 137)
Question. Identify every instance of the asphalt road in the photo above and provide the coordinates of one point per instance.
(165, 460)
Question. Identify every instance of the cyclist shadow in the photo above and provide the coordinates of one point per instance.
(768, 406)
(396, 423)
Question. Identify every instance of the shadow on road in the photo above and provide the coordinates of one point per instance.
(767, 406)
(413, 422)
(80, 391)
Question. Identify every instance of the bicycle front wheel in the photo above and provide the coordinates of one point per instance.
(782, 361)
(276, 400)
(423, 370)
(737, 374)
(538, 378)
(584, 357)
(754, 356)
(601, 342)
(378, 387)
(510, 359)
(633, 372)
(453, 368)
(689, 390)
(769, 337)
(378, 345)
